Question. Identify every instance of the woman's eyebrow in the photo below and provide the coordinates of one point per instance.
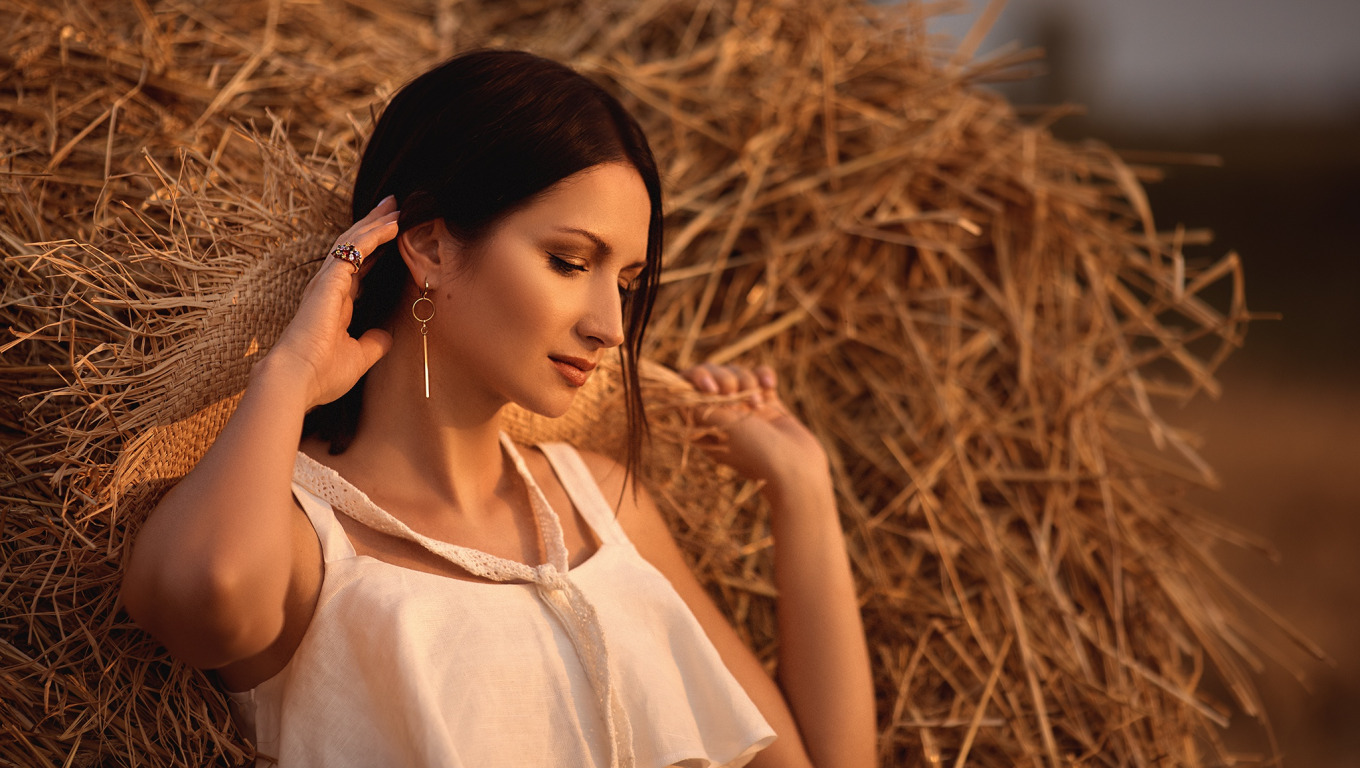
(600, 245)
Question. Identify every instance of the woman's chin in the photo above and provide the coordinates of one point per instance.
(554, 407)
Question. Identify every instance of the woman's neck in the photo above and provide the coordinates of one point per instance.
(443, 451)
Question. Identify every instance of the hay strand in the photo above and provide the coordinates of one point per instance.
(980, 322)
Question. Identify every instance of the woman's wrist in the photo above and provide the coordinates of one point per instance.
(800, 474)
(802, 494)
(285, 375)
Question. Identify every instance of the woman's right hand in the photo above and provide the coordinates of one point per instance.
(316, 342)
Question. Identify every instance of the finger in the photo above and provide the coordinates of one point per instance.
(336, 277)
(382, 231)
(701, 379)
(721, 417)
(381, 214)
(726, 379)
(369, 235)
(746, 383)
(328, 293)
(366, 237)
(375, 343)
(746, 378)
(767, 377)
(385, 206)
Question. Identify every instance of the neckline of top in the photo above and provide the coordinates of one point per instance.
(343, 496)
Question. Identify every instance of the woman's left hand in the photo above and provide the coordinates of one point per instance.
(824, 669)
(760, 438)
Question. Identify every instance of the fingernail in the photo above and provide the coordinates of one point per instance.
(707, 384)
(767, 379)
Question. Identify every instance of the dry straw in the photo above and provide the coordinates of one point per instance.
(976, 318)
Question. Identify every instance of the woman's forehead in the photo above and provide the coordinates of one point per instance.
(606, 208)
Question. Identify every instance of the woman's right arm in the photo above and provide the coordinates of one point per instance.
(216, 566)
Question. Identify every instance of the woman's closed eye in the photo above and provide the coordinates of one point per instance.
(563, 266)
(567, 268)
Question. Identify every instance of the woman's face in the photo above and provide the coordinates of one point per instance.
(539, 303)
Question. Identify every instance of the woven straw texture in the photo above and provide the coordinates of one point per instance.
(980, 321)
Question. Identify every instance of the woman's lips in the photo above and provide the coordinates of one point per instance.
(575, 370)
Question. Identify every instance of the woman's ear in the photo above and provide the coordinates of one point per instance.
(427, 249)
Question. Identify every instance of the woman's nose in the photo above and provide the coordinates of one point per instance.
(603, 319)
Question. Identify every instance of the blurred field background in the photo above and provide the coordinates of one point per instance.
(1272, 88)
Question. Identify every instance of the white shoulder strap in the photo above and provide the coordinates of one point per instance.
(585, 493)
(335, 543)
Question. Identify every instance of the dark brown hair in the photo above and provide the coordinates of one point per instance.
(470, 142)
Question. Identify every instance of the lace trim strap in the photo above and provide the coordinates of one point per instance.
(330, 486)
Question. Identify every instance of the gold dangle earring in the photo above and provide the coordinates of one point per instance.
(416, 309)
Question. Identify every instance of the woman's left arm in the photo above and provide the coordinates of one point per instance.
(823, 656)
(824, 714)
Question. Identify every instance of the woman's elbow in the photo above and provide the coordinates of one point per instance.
(206, 618)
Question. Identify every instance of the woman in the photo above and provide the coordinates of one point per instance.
(408, 587)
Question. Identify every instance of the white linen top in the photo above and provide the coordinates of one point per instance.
(598, 665)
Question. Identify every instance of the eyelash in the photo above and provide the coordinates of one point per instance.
(564, 267)
(568, 269)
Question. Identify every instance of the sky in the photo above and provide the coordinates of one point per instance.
(1187, 63)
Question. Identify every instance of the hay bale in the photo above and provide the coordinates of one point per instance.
(975, 317)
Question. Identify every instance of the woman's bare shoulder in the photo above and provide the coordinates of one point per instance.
(609, 474)
(637, 512)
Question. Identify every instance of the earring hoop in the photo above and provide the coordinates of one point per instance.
(428, 310)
